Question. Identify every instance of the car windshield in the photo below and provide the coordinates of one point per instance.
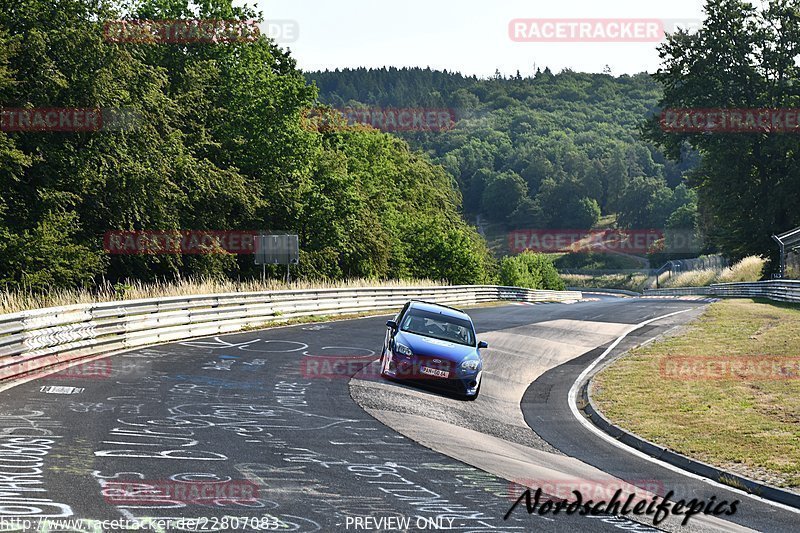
(438, 326)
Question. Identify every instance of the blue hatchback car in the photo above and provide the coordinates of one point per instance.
(436, 345)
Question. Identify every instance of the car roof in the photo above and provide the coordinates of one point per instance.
(439, 308)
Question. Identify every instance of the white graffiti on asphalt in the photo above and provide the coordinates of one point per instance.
(216, 343)
(246, 348)
(21, 468)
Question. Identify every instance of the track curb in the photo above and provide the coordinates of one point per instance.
(683, 462)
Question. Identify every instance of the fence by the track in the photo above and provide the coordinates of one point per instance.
(778, 290)
(34, 340)
(715, 262)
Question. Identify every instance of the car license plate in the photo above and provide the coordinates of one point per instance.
(434, 372)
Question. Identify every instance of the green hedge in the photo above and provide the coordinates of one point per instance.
(531, 270)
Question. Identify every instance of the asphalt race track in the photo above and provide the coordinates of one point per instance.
(309, 450)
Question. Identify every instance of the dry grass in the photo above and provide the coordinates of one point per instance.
(748, 269)
(662, 281)
(693, 278)
(793, 266)
(748, 423)
(12, 302)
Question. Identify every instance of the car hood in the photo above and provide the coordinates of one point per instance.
(431, 347)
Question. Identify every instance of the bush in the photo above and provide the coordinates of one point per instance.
(455, 254)
(629, 282)
(530, 270)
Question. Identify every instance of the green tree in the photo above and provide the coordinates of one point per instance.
(742, 57)
(221, 141)
(527, 215)
(530, 270)
(562, 205)
(614, 179)
(48, 256)
(645, 203)
(502, 195)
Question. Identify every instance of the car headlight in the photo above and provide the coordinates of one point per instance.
(470, 364)
(402, 349)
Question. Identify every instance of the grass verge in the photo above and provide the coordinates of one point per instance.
(674, 392)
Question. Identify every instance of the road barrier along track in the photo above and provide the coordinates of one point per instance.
(35, 340)
(778, 290)
(597, 290)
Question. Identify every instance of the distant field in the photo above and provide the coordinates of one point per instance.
(726, 392)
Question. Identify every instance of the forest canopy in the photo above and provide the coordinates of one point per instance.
(217, 143)
(231, 135)
(543, 151)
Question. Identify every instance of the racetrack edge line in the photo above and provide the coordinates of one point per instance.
(590, 426)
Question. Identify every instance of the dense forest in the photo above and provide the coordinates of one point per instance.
(544, 151)
(744, 57)
(219, 138)
(562, 150)
(217, 144)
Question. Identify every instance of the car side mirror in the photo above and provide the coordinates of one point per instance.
(483, 344)
(391, 324)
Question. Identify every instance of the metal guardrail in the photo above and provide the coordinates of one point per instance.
(778, 290)
(41, 338)
(600, 290)
(788, 242)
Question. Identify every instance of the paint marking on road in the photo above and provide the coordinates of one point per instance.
(53, 389)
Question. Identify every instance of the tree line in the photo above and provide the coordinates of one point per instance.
(743, 57)
(543, 151)
(217, 141)
(561, 150)
(220, 139)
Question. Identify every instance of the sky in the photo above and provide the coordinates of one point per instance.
(469, 36)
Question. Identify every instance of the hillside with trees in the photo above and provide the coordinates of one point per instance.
(219, 139)
(217, 143)
(544, 151)
(563, 150)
